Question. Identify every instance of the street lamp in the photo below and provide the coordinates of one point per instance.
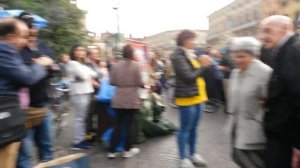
(118, 18)
(118, 36)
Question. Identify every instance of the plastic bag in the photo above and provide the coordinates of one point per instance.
(106, 91)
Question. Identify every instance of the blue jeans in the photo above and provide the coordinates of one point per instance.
(189, 119)
(42, 136)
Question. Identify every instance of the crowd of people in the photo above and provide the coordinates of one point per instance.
(258, 83)
(261, 92)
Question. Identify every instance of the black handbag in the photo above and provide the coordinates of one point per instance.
(12, 119)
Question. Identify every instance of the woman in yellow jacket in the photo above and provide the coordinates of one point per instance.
(190, 94)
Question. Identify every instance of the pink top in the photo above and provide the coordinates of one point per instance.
(24, 98)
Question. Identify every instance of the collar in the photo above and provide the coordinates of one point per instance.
(188, 50)
(285, 40)
(190, 53)
(9, 46)
(251, 69)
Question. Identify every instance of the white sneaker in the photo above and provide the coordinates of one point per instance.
(186, 163)
(198, 160)
(112, 155)
(131, 153)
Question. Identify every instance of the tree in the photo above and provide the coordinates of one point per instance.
(10, 3)
(65, 22)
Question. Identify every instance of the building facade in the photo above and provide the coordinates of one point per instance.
(166, 41)
(240, 18)
(290, 8)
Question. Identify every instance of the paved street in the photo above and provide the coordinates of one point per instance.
(162, 152)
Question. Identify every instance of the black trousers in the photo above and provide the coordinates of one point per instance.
(124, 121)
(93, 110)
(278, 154)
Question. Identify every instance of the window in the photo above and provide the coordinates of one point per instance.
(283, 2)
(297, 14)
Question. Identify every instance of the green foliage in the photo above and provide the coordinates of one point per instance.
(10, 3)
(66, 22)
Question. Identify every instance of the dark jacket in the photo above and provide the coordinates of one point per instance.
(14, 74)
(282, 120)
(38, 92)
(186, 74)
(227, 61)
(265, 56)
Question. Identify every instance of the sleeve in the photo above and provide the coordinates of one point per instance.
(13, 68)
(139, 81)
(228, 128)
(292, 82)
(79, 71)
(230, 108)
(183, 71)
(46, 49)
(91, 72)
(112, 75)
(264, 82)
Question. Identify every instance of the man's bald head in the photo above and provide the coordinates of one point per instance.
(14, 32)
(274, 29)
(279, 20)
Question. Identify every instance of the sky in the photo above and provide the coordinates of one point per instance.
(142, 18)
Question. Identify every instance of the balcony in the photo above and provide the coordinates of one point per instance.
(211, 36)
(246, 25)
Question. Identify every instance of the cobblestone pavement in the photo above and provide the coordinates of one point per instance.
(161, 152)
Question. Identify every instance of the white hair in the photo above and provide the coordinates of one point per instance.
(249, 44)
(280, 19)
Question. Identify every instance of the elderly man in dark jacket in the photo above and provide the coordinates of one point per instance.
(282, 119)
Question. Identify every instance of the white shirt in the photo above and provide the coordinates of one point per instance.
(84, 73)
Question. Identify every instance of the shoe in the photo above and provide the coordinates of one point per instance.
(209, 109)
(172, 105)
(198, 160)
(131, 153)
(186, 163)
(112, 155)
(80, 147)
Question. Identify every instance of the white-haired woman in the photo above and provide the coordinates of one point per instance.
(247, 91)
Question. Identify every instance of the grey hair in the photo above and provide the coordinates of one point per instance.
(248, 44)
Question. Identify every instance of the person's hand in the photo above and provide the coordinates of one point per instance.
(296, 158)
(223, 69)
(205, 60)
(95, 83)
(55, 67)
(44, 61)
